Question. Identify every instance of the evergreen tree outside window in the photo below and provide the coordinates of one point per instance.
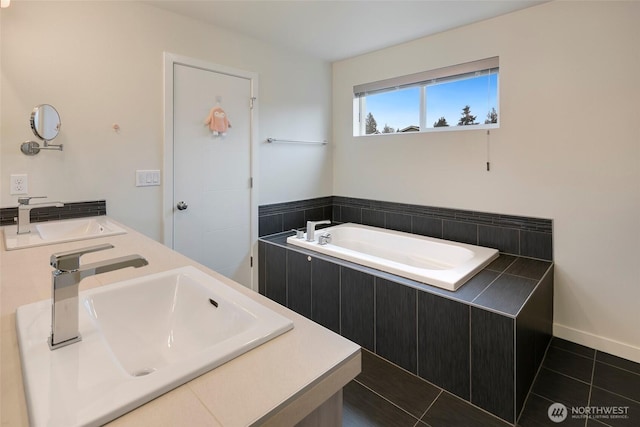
(371, 126)
(467, 118)
(442, 122)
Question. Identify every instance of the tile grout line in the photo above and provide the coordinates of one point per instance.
(493, 416)
(467, 402)
(566, 376)
(340, 306)
(286, 279)
(493, 281)
(430, 405)
(417, 334)
(593, 370)
(395, 366)
(515, 372)
(375, 316)
(617, 394)
(572, 352)
(538, 285)
(618, 367)
(385, 399)
(535, 378)
(470, 358)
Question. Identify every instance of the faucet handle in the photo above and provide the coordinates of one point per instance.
(70, 260)
(25, 199)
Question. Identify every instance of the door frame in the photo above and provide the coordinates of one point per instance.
(168, 189)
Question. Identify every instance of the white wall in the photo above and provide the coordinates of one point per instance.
(568, 149)
(101, 63)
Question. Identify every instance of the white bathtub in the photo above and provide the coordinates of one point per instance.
(437, 262)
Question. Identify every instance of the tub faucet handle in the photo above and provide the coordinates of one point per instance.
(324, 238)
(299, 233)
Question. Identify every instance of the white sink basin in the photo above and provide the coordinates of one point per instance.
(140, 339)
(48, 233)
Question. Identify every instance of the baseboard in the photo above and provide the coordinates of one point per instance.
(617, 348)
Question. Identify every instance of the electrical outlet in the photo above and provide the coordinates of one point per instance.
(19, 184)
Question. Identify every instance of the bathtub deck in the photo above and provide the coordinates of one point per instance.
(502, 286)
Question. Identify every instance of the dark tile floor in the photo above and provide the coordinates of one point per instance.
(578, 377)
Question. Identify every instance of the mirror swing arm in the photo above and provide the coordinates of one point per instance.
(45, 124)
(31, 148)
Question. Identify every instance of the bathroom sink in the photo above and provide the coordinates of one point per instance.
(140, 339)
(48, 233)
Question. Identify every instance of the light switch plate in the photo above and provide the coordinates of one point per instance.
(147, 178)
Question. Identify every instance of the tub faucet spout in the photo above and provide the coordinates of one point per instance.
(311, 228)
(65, 283)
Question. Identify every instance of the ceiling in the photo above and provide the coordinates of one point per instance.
(334, 30)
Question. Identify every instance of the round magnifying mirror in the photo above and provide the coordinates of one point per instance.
(45, 122)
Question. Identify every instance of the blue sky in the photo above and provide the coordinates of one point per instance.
(401, 108)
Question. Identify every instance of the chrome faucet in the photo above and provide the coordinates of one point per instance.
(65, 283)
(311, 228)
(324, 239)
(24, 211)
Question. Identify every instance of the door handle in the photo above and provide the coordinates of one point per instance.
(182, 206)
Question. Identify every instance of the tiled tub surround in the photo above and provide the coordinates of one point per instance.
(483, 343)
(515, 235)
(68, 211)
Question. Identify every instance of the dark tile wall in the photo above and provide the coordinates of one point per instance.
(325, 294)
(492, 363)
(68, 211)
(262, 266)
(483, 343)
(517, 235)
(357, 307)
(279, 217)
(396, 323)
(275, 286)
(443, 343)
(534, 327)
(299, 272)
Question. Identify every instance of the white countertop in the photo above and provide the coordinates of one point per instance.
(278, 383)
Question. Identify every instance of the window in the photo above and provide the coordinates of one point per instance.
(452, 97)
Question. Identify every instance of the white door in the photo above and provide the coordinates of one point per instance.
(212, 174)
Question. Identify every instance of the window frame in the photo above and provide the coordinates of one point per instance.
(422, 80)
